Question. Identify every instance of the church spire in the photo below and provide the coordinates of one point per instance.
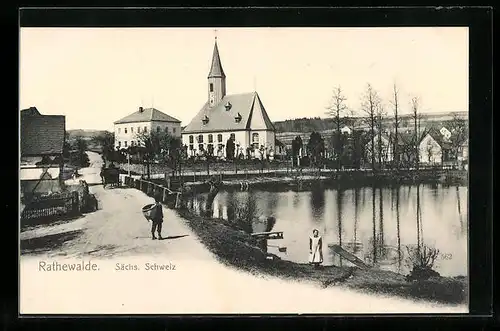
(216, 68)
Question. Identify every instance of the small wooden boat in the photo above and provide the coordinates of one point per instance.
(349, 256)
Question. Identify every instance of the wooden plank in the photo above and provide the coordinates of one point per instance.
(349, 256)
(267, 233)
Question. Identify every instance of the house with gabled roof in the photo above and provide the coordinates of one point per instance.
(144, 120)
(433, 147)
(42, 140)
(241, 118)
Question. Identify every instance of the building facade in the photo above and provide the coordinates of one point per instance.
(129, 129)
(241, 118)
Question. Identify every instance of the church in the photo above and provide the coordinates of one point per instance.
(241, 118)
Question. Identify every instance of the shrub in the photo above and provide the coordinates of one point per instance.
(420, 260)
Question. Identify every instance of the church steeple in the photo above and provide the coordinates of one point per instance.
(216, 79)
(216, 68)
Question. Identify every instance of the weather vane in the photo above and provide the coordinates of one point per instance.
(215, 33)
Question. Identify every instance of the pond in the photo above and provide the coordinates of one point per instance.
(376, 224)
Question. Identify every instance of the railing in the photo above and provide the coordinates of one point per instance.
(153, 189)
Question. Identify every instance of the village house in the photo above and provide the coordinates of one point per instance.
(384, 148)
(239, 117)
(42, 143)
(433, 148)
(346, 130)
(144, 120)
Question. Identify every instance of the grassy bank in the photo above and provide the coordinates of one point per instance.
(236, 248)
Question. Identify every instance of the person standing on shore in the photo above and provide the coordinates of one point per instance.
(315, 249)
(157, 219)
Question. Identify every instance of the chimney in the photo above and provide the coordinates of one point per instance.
(141, 109)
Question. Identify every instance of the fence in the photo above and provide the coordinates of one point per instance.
(153, 190)
(51, 206)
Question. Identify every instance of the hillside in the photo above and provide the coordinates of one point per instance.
(86, 134)
(324, 124)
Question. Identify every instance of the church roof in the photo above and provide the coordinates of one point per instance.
(147, 115)
(216, 68)
(247, 107)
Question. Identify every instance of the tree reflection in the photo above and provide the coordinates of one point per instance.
(381, 241)
(340, 198)
(317, 204)
(356, 209)
(462, 227)
(374, 239)
(398, 228)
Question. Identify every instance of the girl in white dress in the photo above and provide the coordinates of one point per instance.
(315, 249)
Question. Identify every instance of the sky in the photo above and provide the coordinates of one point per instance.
(96, 76)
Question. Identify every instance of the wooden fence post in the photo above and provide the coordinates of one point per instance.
(164, 198)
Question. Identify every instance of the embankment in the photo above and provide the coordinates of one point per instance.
(236, 248)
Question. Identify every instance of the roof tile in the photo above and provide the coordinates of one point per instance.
(42, 135)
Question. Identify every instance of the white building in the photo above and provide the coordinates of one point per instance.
(346, 130)
(431, 148)
(240, 117)
(445, 132)
(144, 120)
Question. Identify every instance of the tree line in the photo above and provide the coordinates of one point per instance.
(367, 122)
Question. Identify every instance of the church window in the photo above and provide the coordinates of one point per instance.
(125, 143)
(125, 130)
(219, 138)
(158, 129)
(210, 149)
(166, 129)
(232, 136)
(119, 144)
(255, 140)
(210, 138)
(132, 129)
(211, 87)
(205, 120)
(191, 139)
(238, 118)
(138, 129)
(145, 129)
(173, 130)
(200, 139)
(201, 148)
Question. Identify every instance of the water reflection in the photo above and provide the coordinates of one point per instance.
(317, 203)
(374, 223)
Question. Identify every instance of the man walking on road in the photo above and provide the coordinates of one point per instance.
(157, 219)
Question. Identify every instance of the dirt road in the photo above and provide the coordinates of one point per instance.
(118, 228)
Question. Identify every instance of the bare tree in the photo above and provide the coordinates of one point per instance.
(415, 105)
(338, 111)
(369, 105)
(459, 134)
(380, 115)
(397, 122)
(430, 152)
